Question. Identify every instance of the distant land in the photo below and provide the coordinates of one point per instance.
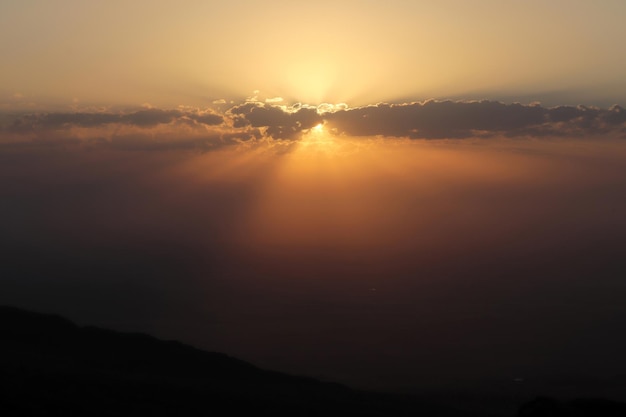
(50, 366)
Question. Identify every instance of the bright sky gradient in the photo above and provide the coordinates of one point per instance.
(71, 52)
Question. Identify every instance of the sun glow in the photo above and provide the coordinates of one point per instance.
(317, 139)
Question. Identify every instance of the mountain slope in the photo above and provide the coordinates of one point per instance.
(50, 366)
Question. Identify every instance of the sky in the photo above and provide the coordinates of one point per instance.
(355, 52)
(399, 195)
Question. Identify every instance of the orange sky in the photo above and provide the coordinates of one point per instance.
(72, 53)
(334, 188)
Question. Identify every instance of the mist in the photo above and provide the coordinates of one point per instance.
(382, 262)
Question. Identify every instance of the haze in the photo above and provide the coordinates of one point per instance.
(357, 52)
(398, 195)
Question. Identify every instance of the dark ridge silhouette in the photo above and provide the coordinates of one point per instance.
(50, 366)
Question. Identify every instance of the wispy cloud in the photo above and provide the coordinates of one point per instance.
(144, 129)
(142, 118)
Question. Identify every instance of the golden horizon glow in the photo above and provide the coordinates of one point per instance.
(70, 52)
(357, 192)
(318, 141)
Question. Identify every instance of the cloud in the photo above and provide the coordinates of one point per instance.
(328, 107)
(167, 142)
(141, 118)
(280, 122)
(148, 129)
(450, 119)
(192, 128)
(432, 119)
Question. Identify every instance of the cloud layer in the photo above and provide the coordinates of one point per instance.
(281, 122)
(205, 129)
(448, 119)
(141, 118)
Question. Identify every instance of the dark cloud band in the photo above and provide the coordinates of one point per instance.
(434, 119)
(448, 119)
(424, 120)
(281, 123)
(140, 118)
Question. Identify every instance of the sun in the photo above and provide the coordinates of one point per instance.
(317, 140)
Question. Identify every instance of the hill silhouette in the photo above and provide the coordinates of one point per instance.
(51, 366)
